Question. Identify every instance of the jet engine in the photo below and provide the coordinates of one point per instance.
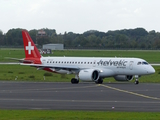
(123, 77)
(89, 75)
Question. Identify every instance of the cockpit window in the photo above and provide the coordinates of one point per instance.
(144, 63)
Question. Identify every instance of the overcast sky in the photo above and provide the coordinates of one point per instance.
(79, 16)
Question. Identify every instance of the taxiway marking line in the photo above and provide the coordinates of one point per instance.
(133, 93)
(45, 89)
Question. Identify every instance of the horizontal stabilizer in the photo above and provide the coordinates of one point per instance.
(20, 60)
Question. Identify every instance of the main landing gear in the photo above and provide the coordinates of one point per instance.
(136, 81)
(99, 81)
(74, 81)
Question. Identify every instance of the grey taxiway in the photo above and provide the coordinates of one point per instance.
(82, 96)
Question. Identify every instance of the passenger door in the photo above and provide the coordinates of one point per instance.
(131, 65)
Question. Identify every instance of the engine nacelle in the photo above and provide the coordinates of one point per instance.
(89, 75)
(123, 77)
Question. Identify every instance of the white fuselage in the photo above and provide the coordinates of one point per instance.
(107, 66)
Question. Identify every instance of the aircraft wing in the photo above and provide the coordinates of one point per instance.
(41, 66)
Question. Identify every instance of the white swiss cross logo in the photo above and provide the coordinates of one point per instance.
(29, 48)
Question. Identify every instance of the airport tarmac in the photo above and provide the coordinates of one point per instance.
(82, 96)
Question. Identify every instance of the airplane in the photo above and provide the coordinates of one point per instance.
(93, 69)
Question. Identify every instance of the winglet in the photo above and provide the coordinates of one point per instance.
(31, 51)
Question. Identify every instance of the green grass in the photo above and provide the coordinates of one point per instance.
(27, 73)
(150, 56)
(11, 53)
(76, 115)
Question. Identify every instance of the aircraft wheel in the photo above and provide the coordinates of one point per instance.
(77, 81)
(99, 81)
(74, 81)
(136, 82)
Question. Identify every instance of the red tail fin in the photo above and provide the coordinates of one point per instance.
(31, 51)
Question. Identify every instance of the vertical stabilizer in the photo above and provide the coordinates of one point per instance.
(31, 51)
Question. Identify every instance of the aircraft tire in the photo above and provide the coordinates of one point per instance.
(99, 81)
(74, 81)
(136, 82)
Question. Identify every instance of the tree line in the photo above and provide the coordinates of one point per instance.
(137, 38)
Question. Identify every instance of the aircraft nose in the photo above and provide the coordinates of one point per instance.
(151, 70)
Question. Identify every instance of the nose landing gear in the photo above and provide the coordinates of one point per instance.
(136, 81)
